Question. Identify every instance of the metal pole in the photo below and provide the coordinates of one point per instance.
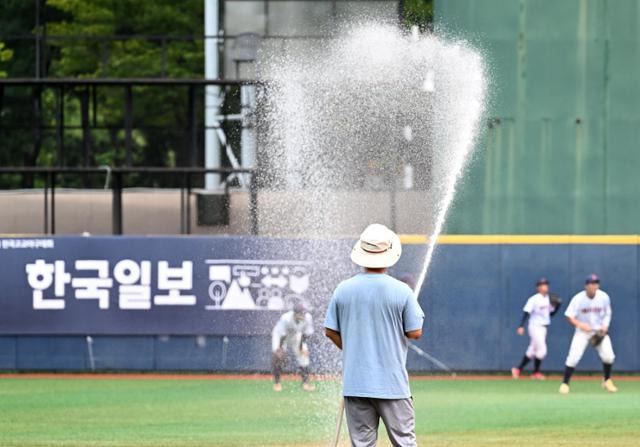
(182, 205)
(86, 134)
(188, 203)
(253, 204)
(212, 99)
(60, 125)
(37, 38)
(53, 202)
(248, 134)
(116, 203)
(94, 106)
(225, 349)
(37, 127)
(193, 156)
(128, 124)
(92, 362)
(46, 203)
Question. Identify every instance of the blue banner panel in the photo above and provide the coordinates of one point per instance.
(161, 285)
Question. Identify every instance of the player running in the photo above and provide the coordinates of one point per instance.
(538, 310)
(590, 312)
(290, 334)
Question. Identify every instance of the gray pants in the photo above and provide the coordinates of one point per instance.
(363, 418)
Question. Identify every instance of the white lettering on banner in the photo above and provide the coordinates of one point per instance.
(174, 280)
(256, 284)
(7, 244)
(233, 284)
(133, 279)
(134, 292)
(93, 288)
(40, 276)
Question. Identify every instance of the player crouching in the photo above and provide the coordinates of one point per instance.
(538, 310)
(590, 313)
(290, 334)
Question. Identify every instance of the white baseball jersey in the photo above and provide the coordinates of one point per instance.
(291, 330)
(539, 309)
(596, 311)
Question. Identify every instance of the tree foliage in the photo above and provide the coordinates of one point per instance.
(5, 55)
(103, 38)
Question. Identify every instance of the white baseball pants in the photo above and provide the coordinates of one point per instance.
(580, 342)
(538, 344)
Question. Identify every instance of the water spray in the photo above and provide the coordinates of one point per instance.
(343, 120)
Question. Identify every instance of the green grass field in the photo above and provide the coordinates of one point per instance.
(139, 412)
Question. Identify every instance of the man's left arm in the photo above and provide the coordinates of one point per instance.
(412, 318)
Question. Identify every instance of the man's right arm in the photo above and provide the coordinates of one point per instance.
(574, 322)
(571, 313)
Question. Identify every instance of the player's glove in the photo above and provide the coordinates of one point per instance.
(555, 300)
(597, 338)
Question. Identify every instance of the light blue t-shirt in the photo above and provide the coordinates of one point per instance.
(372, 312)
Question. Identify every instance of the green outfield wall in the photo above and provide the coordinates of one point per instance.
(561, 150)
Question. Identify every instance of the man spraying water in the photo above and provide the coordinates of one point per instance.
(370, 317)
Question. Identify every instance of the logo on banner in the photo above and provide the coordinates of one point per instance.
(256, 284)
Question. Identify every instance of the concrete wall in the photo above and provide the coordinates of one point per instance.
(149, 211)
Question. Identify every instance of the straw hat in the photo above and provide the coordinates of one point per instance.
(378, 247)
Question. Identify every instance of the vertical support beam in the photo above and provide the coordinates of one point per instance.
(94, 106)
(38, 39)
(47, 178)
(53, 202)
(248, 133)
(86, 132)
(183, 226)
(60, 125)
(212, 98)
(193, 136)
(253, 204)
(86, 129)
(116, 203)
(128, 124)
(36, 122)
(189, 203)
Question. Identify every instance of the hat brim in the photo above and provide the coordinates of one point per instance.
(377, 260)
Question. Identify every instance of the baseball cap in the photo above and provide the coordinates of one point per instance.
(299, 308)
(542, 281)
(592, 278)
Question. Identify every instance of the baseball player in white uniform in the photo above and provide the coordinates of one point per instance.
(290, 334)
(538, 310)
(590, 313)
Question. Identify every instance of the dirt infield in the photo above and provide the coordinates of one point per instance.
(289, 377)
